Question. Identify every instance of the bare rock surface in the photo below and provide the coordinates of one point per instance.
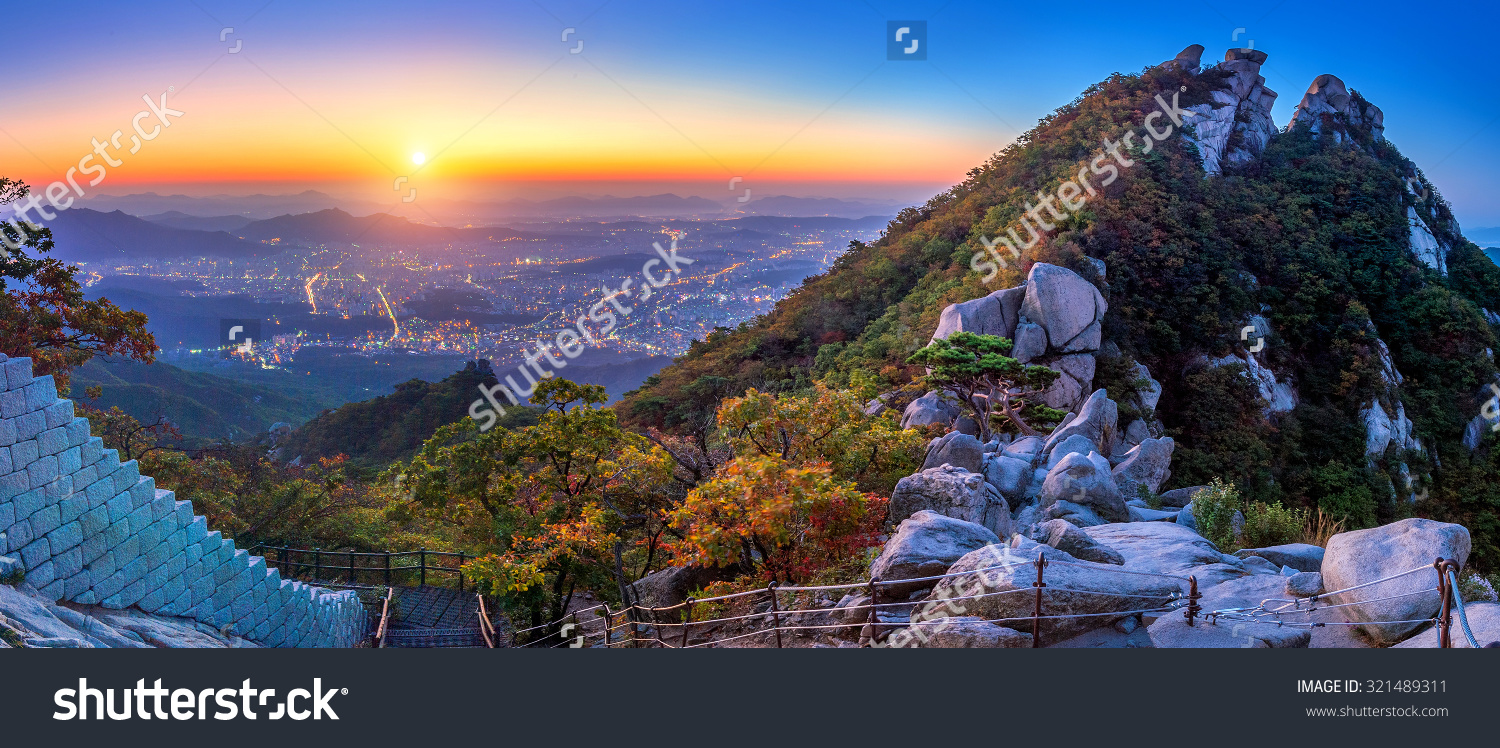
(954, 492)
(1363, 556)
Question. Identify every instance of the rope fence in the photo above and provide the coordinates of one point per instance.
(638, 625)
(672, 626)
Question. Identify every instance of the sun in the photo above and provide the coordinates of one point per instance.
(419, 158)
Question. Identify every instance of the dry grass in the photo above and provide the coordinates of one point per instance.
(1319, 527)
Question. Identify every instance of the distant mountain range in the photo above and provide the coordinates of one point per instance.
(86, 235)
(180, 211)
(178, 220)
(83, 235)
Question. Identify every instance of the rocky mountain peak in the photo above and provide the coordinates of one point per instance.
(1237, 125)
(1328, 106)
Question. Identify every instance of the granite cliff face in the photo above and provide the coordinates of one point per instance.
(1237, 126)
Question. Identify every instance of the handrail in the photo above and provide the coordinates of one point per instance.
(485, 627)
(385, 617)
(316, 561)
(1458, 602)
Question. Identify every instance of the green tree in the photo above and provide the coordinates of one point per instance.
(994, 388)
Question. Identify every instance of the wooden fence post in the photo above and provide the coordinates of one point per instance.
(606, 624)
(686, 622)
(775, 611)
(1193, 596)
(874, 617)
(1036, 617)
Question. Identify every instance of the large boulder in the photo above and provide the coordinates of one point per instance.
(928, 409)
(954, 492)
(1148, 394)
(1030, 341)
(1167, 548)
(1085, 480)
(1068, 307)
(1009, 476)
(1146, 514)
(1304, 584)
(964, 632)
(1362, 556)
(1077, 515)
(672, 585)
(1180, 497)
(1098, 420)
(956, 449)
(1073, 588)
(1067, 538)
(1299, 556)
(925, 545)
(1075, 444)
(995, 314)
(1147, 464)
(1186, 519)
(1076, 379)
(1024, 448)
(1171, 630)
(1484, 623)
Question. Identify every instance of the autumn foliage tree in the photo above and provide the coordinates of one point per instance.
(805, 489)
(788, 522)
(548, 507)
(43, 312)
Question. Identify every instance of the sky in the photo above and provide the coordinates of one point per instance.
(790, 97)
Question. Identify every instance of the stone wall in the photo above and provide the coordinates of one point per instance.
(92, 530)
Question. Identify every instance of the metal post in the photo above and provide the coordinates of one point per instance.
(460, 571)
(422, 569)
(1445, 613)
(686, 622)
(387, 569)
(351, 567)
(775, 611)
(317, 562)
(874, 617)
(606, 624)
(1192, 608)
(1036, 618)
(656, 624)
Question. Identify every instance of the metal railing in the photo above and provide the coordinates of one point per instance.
(366, 569)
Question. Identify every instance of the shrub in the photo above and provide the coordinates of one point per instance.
(1213, 512)
(1318, 527)
(1272, 524)
(1144, 493)
(1474, 588)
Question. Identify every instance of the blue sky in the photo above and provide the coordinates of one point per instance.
(796, 97)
